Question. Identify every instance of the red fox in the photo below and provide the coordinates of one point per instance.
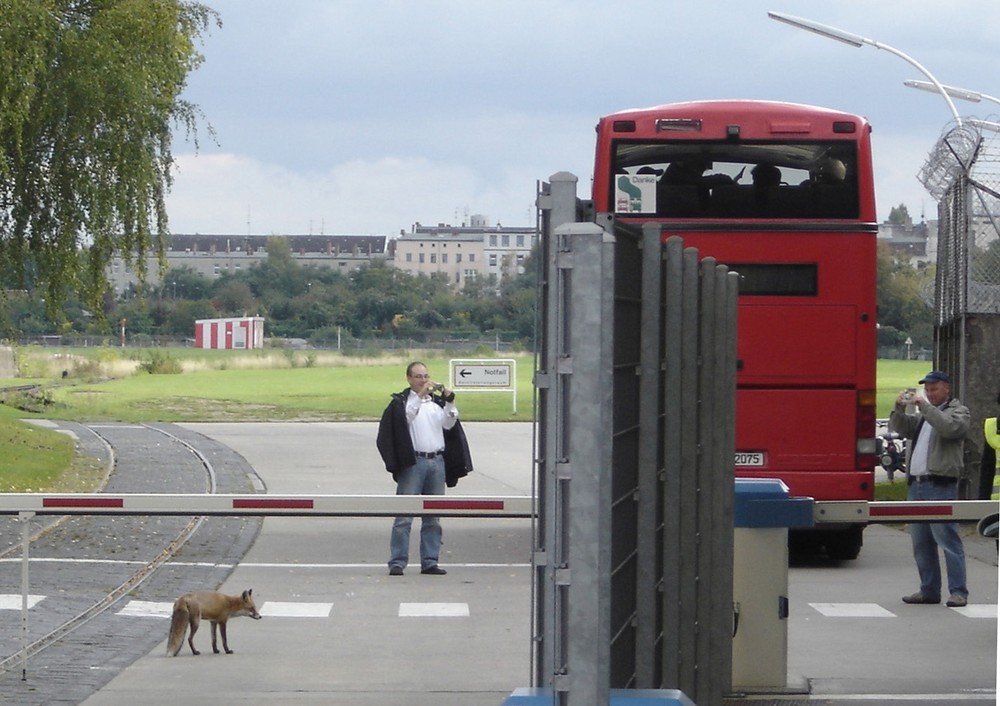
(213, 606)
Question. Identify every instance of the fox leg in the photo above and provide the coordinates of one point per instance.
(225, 641)
(195, 620)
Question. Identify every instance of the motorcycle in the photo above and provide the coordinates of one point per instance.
(891, 453)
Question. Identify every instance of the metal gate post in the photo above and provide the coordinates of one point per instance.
(557, 205)
(649, 569)
(636, 388)
(585, 481)
(25, 518)
(574, 449)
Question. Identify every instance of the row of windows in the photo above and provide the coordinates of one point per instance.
(519, 259)
(118, 268)
(444, 258)
(505, 240)
(458, 259)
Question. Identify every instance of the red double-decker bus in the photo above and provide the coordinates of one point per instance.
(783, 194)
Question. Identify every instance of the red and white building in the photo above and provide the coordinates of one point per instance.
(241, 333)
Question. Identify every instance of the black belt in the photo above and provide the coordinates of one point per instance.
(428, 454)
(933, 478)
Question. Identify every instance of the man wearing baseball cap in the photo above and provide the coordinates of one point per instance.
(934, 461)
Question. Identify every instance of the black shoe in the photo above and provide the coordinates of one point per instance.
(395, 570)
(921, 599)
(434, 571)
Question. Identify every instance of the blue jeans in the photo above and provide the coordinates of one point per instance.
(425, 477)
(928, 536)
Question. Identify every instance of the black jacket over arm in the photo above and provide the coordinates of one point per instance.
(396, 447)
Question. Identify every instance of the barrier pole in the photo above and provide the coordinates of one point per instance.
(26, 543)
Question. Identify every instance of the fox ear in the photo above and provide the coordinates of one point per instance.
(247, 593)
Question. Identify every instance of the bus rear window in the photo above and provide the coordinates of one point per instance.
(776, 279)
(687, 179)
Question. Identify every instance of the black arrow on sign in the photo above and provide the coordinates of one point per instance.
(464, 373)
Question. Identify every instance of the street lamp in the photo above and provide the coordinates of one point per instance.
(985, 124)
(856, 40)
(961, 93)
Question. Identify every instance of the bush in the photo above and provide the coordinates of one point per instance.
(161, 364)
(86, 369)
(35, 399)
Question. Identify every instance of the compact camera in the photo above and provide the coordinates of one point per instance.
(437, 386)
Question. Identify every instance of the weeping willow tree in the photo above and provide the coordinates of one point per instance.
(90, 93)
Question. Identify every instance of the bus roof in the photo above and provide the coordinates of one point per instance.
(722, 108)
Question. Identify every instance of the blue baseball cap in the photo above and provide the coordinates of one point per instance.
(936, 376)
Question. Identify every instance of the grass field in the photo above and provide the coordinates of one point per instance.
(110, 385)
(896, 375)
(248, 386)
(106, 384)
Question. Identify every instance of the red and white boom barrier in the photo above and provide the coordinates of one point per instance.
(888, 511)
(825, 511)
(287, 505)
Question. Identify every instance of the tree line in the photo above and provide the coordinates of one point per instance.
(378, 301)
(90, 95)
(315, 303)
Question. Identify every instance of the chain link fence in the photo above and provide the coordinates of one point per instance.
(962, 173)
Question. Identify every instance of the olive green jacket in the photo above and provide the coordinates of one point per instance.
(951, 423)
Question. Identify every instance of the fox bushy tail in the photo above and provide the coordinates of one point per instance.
(178, 627)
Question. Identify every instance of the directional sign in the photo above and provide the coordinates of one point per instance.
(495, 375)
(485, 375)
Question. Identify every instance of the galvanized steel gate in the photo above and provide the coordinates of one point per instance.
(636, 384)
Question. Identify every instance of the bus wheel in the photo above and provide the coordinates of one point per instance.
(845, 545)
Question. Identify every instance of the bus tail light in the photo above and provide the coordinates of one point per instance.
(678, 125)
(866, 451)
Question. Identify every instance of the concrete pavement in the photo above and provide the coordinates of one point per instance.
(78, 561)
(339, 630)
(461, 639)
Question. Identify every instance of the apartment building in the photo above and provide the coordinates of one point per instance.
(215, 255)
(460, 253)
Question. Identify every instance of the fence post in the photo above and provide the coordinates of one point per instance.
(25, 518)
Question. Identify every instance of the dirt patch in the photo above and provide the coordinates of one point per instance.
(196, 409)
(8, 367)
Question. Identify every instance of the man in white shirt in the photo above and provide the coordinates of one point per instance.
(411, 440)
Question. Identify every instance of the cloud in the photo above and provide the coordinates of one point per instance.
(341, 118)
(380, 196)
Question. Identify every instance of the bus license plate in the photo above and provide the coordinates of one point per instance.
(749, 458)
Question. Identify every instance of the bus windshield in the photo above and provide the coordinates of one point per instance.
(718, 179)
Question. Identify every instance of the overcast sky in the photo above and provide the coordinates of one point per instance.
(366, 116)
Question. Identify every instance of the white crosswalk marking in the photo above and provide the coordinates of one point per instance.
(852, 610)
(13, 601)
(433, 610)
(147, 609)
(281, 609)
(978, 611)
(873, 610)
(303, 609)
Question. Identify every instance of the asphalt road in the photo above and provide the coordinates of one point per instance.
(337, 629)
(460, 639)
